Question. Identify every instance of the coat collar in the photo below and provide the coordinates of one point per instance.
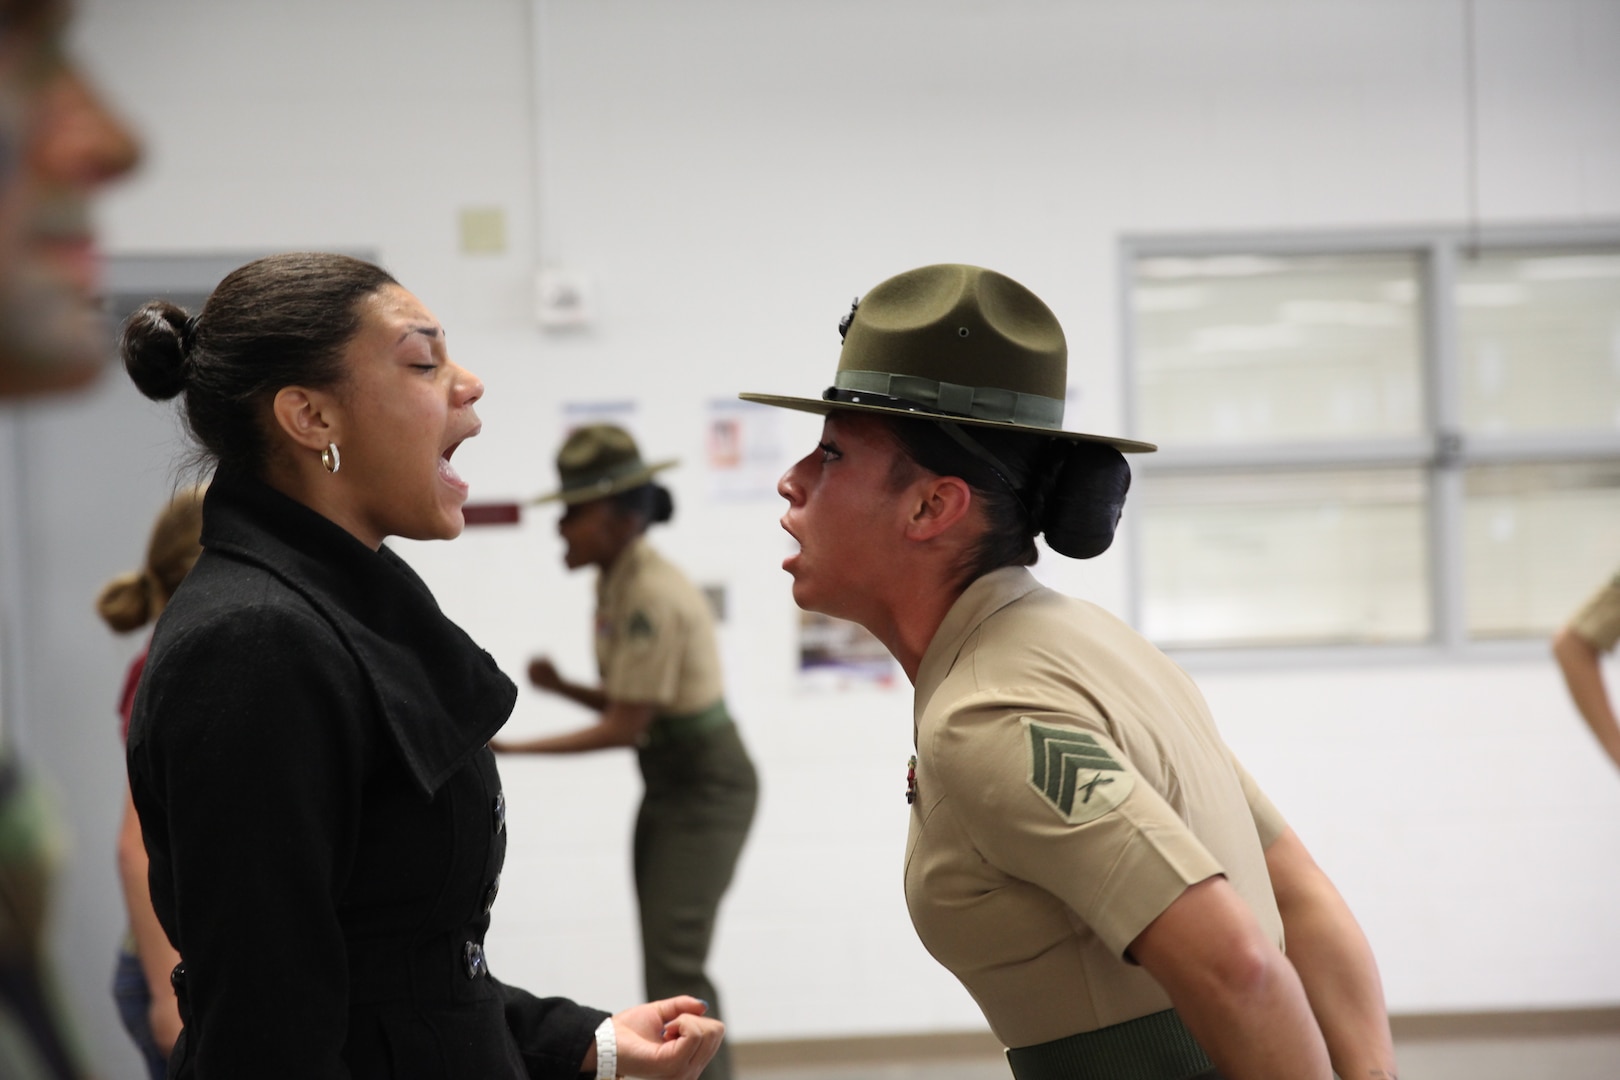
(441, 696)
(980, 600)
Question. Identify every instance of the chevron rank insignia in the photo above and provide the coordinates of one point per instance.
(640, 626)
(1075, 773)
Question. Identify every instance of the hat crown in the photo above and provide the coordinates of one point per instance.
(961, 326)
(597, 454)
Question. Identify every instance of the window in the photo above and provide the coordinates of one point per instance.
(1399, 440)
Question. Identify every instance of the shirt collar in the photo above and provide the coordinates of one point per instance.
(986, 596)
(624, 567)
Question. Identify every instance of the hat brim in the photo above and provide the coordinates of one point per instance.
(822, 406)
(604, 490)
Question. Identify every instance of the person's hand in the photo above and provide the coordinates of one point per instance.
(164, 1017)
(543, 674)
(666, 1040)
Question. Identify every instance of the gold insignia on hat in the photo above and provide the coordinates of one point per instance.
(1074, 772)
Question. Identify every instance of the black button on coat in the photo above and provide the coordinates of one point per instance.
(307, 756)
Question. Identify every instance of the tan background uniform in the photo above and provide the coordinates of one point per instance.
(1598, 621)
(1070, 786)
(655, 645)
(655, 642)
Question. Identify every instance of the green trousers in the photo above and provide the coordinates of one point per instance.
(35, 1040)
(701, 791)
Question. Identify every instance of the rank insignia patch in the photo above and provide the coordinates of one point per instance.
(1075, 773)
(640, 626)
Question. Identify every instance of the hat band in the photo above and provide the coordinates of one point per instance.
(601, 478)
(952, 399)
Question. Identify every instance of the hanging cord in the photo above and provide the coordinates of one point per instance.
(1471, 105)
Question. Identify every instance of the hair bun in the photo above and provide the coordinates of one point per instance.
(125, 602)
(155, 342)
(663, 507)
(1087, 496)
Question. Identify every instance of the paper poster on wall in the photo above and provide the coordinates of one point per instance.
(744, 450)
(839, 655)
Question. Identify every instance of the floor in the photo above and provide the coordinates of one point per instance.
(1520, 1057)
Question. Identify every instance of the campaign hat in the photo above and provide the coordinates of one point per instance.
(597, 461)
(958, 343)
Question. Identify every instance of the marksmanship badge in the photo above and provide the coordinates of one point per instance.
(1074, 772)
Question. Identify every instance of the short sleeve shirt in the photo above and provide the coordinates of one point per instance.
(655, 638)
(1598, 621)
(126, 696)
(1070, 786)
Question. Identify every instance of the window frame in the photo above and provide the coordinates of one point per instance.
(1442, 452)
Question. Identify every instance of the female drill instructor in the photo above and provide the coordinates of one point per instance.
(660, 693)
(1085, 854)
(307, 755)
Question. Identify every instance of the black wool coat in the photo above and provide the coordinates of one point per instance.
(324, 819)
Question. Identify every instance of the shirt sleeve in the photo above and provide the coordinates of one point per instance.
(1598, 620)
(1268, 820)
(644, 665)
(1056, 803)
(126, 695)
(552, 1034)
(249, 763)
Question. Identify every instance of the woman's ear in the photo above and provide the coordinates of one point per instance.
(310, 418)
(941, 502)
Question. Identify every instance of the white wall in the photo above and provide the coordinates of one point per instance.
(731, 173)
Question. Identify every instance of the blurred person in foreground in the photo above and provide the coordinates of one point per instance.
(308, 750)
(141, 988)
(1579, 647)
(1086, 854)
(58, 145)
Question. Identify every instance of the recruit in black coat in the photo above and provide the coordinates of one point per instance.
(325, 822)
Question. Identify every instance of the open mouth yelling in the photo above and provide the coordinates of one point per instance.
(795, 548)
(447, 472)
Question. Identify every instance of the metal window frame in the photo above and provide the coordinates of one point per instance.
(1441, 451)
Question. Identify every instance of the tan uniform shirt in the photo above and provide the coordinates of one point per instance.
(1070, 786)
(1598, 621)
(655, 642)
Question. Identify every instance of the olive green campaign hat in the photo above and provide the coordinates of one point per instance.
(599, 460)
(958, 343)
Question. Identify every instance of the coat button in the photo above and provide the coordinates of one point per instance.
(500, 810)
(489, 894)
(473, 955)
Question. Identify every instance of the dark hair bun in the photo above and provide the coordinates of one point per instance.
(663, 504)
(154, 345)
(1087, 496)
(650, 502)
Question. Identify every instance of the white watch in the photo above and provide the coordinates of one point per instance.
(607, 1051)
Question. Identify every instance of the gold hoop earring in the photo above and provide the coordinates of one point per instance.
(331, 458)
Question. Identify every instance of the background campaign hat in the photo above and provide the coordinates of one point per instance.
(958, 343)
(599, 460)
